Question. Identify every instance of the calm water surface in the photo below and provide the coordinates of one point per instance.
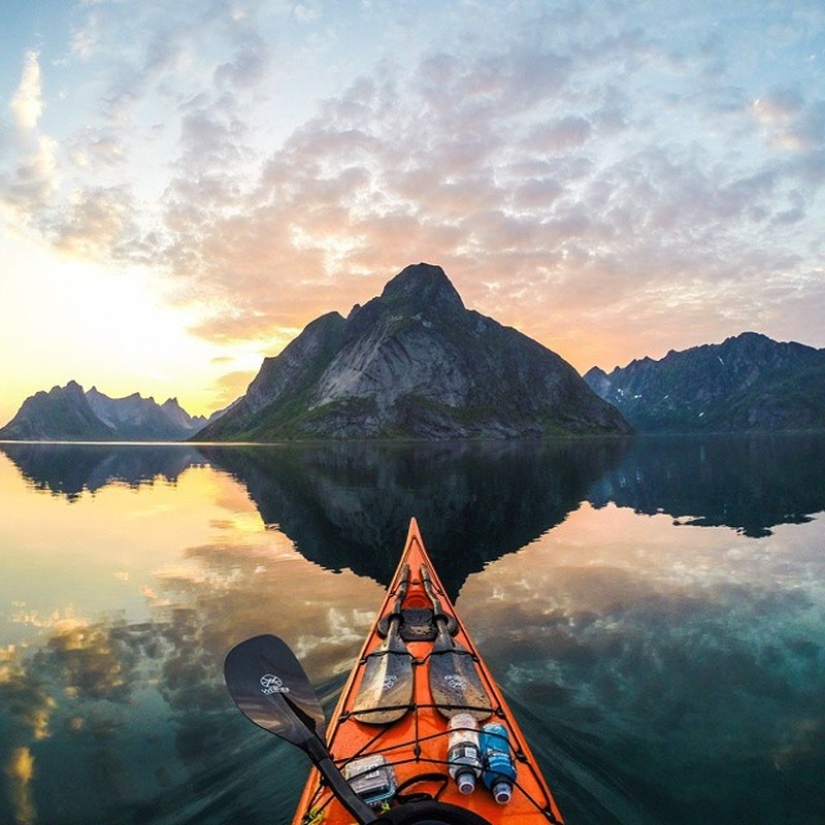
(654, 612)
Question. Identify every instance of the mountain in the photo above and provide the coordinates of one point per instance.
(414, 363)
(70, 414)
(747, 383)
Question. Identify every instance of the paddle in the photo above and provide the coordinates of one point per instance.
(270, 688)
(454, 681)
(386, 690)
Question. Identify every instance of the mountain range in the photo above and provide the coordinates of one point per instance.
(747, 383)
(70, 414)
(414, 363)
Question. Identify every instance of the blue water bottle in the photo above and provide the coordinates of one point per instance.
(499, 769)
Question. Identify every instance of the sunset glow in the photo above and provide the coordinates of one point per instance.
(184, 187)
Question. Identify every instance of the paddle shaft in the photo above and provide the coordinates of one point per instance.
(395, 613)
(402, 590)
(288, 707)
(318, 753)
(438, 613)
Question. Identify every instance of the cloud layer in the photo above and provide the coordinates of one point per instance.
(613, 181)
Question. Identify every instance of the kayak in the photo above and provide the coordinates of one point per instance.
(421, 734)
(421, 731)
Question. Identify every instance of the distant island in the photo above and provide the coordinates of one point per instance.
(71, 414)
(414, 363)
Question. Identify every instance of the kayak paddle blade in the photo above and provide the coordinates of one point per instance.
(454, 681)
(270, 688)
(386, 689)
(456, 686)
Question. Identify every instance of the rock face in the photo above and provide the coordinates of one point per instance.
(414, 363)
(62, 413)
(747, 383)
(70, 414)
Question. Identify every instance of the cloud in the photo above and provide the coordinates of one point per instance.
(92, 661)
(96, 148)
(26, 190)
(30, 175)
(582, 157)
(26, 105)
(251, 61)
(231, 386)
(26, 709)
(19, 770)
(443, 162)
(778, 106)
(559, 135)
(96, 224)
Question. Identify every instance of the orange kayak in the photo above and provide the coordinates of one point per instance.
(421, 722)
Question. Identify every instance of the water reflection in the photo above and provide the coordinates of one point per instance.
(699, 667)
(349, 505)
(113, 720)
(750, 483)
(69, 469)
(662, 674)
(346, 505)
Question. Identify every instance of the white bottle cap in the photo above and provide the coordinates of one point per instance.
(466, 782)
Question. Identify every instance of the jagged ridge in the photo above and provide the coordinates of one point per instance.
(70, 414)
(749, 382)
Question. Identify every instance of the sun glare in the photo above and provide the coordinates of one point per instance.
(104, 329)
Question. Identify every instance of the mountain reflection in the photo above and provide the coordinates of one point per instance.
(69, 469)
(349, 505)
(749, 483)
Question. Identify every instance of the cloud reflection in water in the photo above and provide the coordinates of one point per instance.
(693, 672)
(663, 672)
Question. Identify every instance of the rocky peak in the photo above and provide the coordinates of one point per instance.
(597, 379)
(72, 390)
(298, 363)
(68, 414)
(422, 287)
(172, 409)
(414, 363)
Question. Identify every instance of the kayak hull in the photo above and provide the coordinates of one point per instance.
(419, 638)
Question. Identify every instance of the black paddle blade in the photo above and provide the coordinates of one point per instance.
(454, 681)
(386, 690)
(270, 688)
(455, 684)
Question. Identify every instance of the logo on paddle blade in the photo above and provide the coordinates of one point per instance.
(390, 681)
(272, 684)
(455, 682)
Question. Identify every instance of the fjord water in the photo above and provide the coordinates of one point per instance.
(653, 610)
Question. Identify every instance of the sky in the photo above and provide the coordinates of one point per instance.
(184, 186)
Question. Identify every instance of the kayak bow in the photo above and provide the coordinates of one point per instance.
(398, 760)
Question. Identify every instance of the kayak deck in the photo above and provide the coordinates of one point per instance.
(417, 668)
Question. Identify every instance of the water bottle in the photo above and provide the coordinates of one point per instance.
(463, 754)
(499, 769)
